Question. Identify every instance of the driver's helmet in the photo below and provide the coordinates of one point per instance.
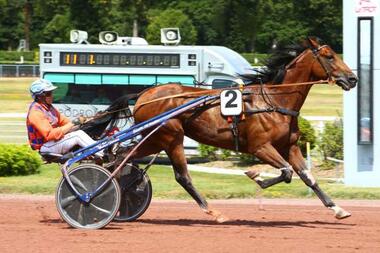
(39, 86)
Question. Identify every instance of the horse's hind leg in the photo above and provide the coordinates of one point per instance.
(299, 166)
(267, 153)
(178, 160)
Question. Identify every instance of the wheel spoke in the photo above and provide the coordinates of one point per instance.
(141, 193)
(77, 182)
(67, 201)
(100, 209)
(136, 194)
(82, 215)
(124, 209)
(105, 191)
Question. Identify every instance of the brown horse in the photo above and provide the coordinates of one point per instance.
(269, 130)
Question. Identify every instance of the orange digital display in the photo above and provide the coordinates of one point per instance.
(119, 60)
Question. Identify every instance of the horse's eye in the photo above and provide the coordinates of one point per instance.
(330, 58)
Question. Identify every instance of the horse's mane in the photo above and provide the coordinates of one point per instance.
(274, 66)
(110, 118)
(119, 109)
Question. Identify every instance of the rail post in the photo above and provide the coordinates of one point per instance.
(308, 163)
(337, 162)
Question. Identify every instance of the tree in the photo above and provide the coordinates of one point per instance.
(323, 18)
(238, 21)
(92, 16)
(288, 21)
(138, 10)
(243, 25)
(280, 26)
(170, 18)
(47, 22)
(11, 24)
(27, 22)
(58, 29)
(202, 13)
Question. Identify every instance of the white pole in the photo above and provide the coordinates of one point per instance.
(308, 159)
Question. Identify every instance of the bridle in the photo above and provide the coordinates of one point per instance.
(317, 56)
(327, 69)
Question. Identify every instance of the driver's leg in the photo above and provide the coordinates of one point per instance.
(68, 142)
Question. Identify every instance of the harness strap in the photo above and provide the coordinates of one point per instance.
(274, 109)
(245, 91)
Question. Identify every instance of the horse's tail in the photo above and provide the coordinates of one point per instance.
(110, 117)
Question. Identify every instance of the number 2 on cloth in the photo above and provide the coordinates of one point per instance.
(231, 102)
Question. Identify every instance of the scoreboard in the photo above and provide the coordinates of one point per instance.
(96, 59)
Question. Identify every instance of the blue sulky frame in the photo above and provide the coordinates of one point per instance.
(157, 122)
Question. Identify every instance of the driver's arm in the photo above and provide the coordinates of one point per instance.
(43, 126)
(65, 123)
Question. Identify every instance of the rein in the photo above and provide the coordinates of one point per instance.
(197, 93)
(246, 89)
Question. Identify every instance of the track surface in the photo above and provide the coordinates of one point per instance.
(32, 224)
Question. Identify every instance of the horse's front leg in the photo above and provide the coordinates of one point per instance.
(297, 161)
(267, 153)
(177, 157)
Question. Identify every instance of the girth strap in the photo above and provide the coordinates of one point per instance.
(274, 109)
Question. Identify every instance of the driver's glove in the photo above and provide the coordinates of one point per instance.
(79, 120)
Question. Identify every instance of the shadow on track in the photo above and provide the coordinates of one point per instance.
(49, 222)
(249, 223)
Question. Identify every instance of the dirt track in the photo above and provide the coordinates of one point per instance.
(32, 224)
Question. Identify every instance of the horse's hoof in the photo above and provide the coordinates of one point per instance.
(340, 213)
(221, 218)
(252, 174)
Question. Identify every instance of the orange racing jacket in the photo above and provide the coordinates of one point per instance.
(44, 124)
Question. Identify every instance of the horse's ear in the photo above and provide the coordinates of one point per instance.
(313, 42)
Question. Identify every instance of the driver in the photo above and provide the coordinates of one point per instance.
(48, 130)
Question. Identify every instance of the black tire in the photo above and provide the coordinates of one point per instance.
(100, 210)
(136, 194)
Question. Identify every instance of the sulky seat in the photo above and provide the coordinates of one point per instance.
(49, 157)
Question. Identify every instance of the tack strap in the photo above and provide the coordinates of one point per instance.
(274, 109)
(246, 89)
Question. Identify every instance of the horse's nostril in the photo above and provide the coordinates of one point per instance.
(353, 80)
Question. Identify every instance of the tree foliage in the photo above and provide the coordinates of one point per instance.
(11, 24)
(331, 142)
(243, 25)
(170, 18)
(307, 135)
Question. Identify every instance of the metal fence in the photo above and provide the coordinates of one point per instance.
(19, 70)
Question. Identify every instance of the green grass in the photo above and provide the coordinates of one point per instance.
(323, 100)
(212, 186)
(14, 94)
(13, 130)
(42, 183)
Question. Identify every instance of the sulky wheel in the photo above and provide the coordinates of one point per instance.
(136, 193)
(101, 209)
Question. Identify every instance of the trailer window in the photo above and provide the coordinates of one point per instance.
(223, 83)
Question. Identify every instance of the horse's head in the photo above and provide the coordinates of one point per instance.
(330, 66)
